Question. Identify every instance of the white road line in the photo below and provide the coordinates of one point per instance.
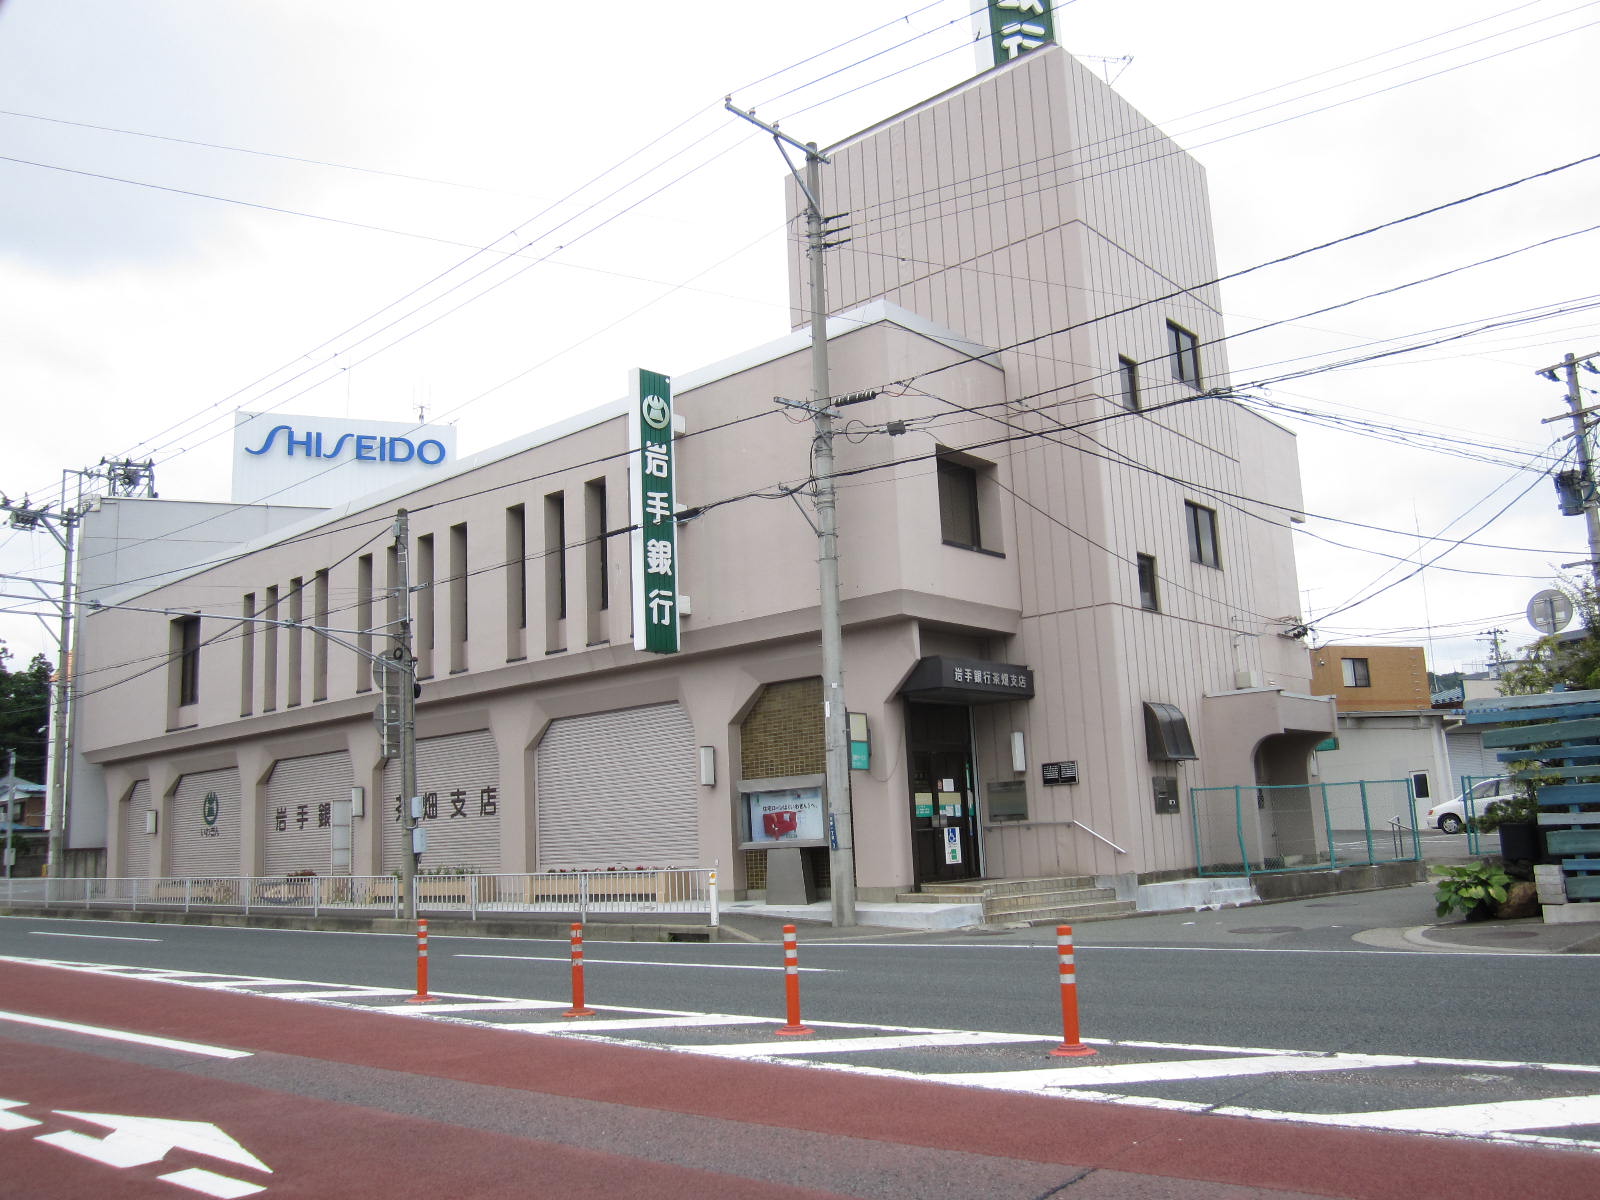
(856, 1045)
(584, 1025)
(123, 1035)
(486, 1006)
(99, 937)
(1504, 1116)
(333, 992)
(591, 960)
(1167, 1072)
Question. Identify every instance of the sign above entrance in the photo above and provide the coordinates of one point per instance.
(655, 539)
(941, 680)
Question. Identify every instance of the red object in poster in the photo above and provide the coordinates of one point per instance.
(780, 824)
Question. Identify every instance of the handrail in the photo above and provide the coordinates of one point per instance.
(1093, 834)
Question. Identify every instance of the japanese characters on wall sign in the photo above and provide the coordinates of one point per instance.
(655, 538)
(1017, 26)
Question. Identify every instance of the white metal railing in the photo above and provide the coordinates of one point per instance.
(1100, 836)
(668, 890)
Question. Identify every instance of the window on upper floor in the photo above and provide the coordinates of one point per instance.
(1128, 373)
(1356, 673)
(1184, 349)
(968, 503)
(186, 660)
(1149, 598)
(1202, 534)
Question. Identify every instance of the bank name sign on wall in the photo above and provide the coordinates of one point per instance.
(279, 458)
(1017, 26)
(654, 509)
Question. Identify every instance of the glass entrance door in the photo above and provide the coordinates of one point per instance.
(944, 808)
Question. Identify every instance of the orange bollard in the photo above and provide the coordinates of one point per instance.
(577, 1009)
(791, 984)
(422, 996)
(1070, 1044)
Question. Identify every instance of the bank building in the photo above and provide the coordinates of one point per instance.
(1068, 592)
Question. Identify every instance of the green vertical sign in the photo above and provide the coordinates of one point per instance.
(655, 566)
(1017, 26)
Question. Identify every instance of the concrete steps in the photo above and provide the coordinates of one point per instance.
(1055, 900)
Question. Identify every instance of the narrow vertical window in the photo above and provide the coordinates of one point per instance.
(516, 582)
(247, 657)
(1128, 371)
(296, 638)
(364, 623)
(425, 590)
(1202, 535)
(319, 642)
(459, 629)
(555, 572)
(391, 591)
(1149, 598)
(958, 505)
(184, 665)
(1185, 352)
(269, 648)
(596, 560)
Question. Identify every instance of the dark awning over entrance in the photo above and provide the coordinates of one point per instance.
(938, 679)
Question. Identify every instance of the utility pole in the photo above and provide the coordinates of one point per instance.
(62, 525)
(835, 720)
(1578, 494)
(1497, 659)
(405, 664)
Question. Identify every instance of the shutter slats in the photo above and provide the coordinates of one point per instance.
(462, 771)
(193, 852)
(618, 789)
(299, 787)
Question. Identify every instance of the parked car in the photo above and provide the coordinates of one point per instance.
(1451, 816)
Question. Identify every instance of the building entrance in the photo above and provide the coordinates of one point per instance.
(944, 807)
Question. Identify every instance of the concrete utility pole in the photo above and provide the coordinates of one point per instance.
(1497, 656)
(841, 838)
(62, 524)
(405, 663)
(1579, 416)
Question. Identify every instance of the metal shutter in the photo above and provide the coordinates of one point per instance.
(305, 799)
(618, 789)
(458, 778)
(135, 841)
(1468, 757)
(197, 848)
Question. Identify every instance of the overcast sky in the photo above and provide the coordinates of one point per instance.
(494, 209)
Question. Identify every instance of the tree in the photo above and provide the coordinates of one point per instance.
(24, 712)
(1560, 660)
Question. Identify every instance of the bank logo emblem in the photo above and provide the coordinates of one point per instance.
(657, 412)
(208, 810)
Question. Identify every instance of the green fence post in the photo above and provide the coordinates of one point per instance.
(1238, 824)
(1327, 825)
(1366, 821)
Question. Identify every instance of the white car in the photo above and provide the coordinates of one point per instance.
(1451, 816)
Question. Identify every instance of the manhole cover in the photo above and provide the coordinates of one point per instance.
(1267, 929)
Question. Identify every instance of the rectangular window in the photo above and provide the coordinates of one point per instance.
(1356, 673)
(1202, 535)
(555, 572)
(1185, 351)
(247, 658)
(1128, 370)
(958, 505)
(296, 639)
(364, 622)
(517, 567)
(459, 631)
(596, 558)
(269, 639)
(319, 642)
(1149, 598)
(425, 605)
(186, 636)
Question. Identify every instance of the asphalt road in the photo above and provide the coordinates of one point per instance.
(141, 1087)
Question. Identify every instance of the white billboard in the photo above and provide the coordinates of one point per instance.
(280, 458)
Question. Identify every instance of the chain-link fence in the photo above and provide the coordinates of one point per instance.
(1303, 827)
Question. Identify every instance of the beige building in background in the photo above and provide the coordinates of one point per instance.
(1069, 592)
(1372, 678)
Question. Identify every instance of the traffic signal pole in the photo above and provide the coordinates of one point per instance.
(405, 662)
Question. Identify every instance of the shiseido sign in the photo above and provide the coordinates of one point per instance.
(322, 461)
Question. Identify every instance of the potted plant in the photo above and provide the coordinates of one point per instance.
(1473, 890)
(1516, 820)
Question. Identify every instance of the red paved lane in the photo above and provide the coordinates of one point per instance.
(312, 1141)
